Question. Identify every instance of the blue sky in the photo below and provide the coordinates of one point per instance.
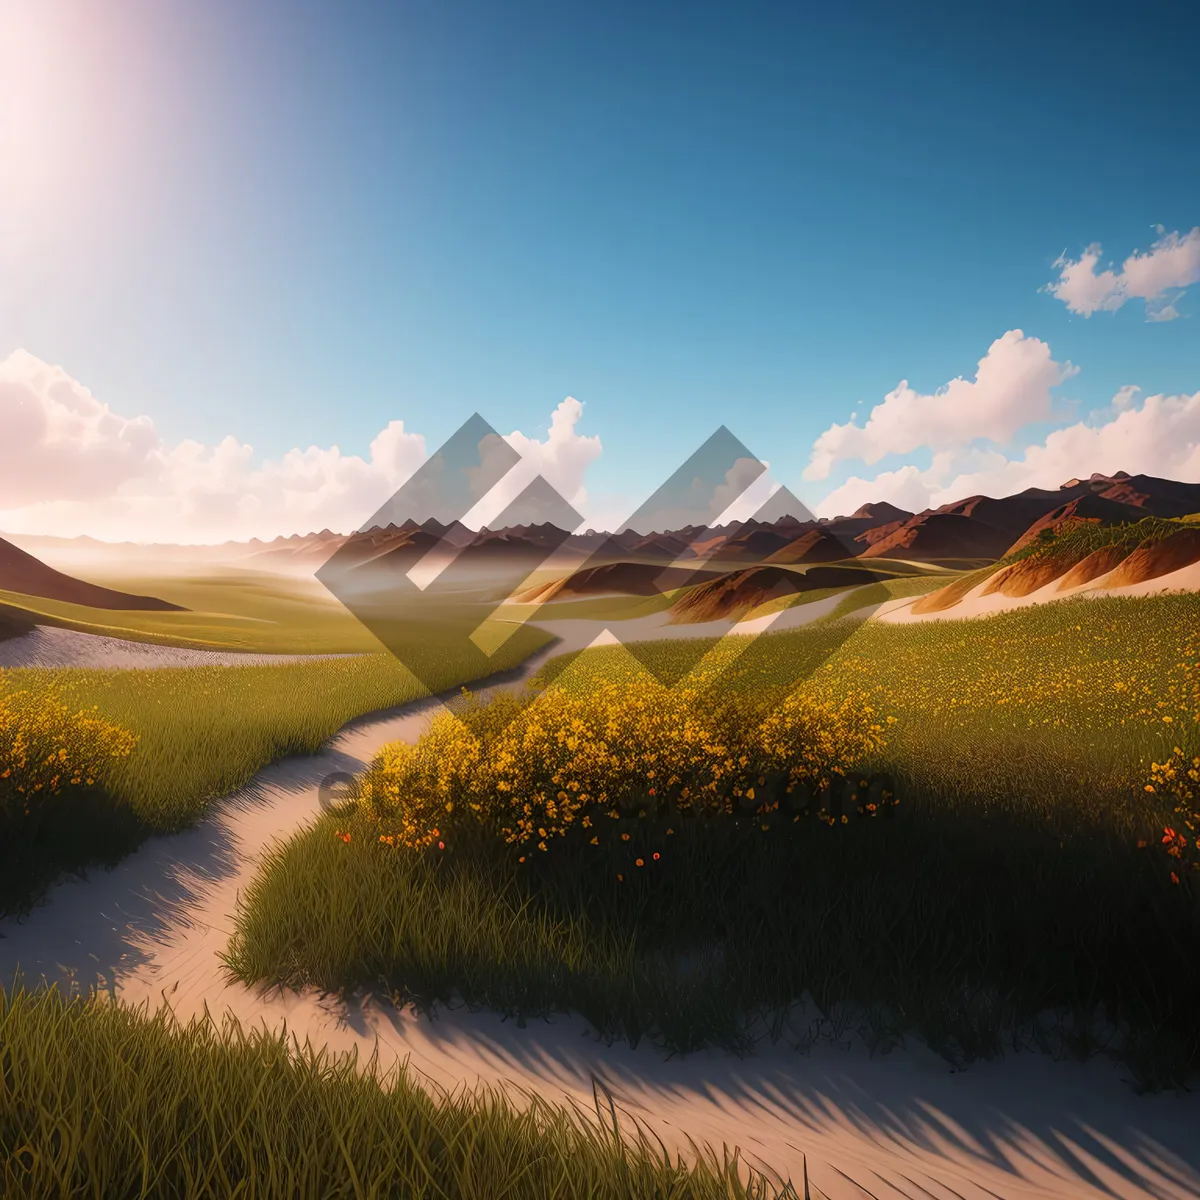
(293, 223)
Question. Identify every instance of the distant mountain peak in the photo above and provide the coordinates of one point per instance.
(881, 509)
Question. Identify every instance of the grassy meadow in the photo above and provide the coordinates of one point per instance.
(198, 733)
(229, 608)
(202, 1110)
(1021, 887)
(982, 832)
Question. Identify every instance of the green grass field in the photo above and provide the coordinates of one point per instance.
(202, 733)
(98, 1100)
(1020, 749)
(228, 609)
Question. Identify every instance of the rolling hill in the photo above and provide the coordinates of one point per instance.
(1071, 556)
(26, 575)
(739, 592)
(977, 528)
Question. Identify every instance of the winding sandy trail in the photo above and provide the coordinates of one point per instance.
(50, 646)
(903, 1125)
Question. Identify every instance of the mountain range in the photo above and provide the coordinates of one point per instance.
(975, 528)
(973, 531)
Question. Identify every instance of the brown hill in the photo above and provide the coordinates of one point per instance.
(619, 578)
(815, 546)
(756, 545)
(1152, 558)
(739, 592)
(1157, 557)
(875, 534)
(948, 596)
(984, 527)
(1098, 563)
(387, 549)
(21, 572)
(1155, 497)
(1091, 507)
(880, 510)
(1026, 576)
(865, 522)
(928, 537)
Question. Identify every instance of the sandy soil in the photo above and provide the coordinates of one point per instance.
(577, 633)
(903, 1125)
(47, 646)
(973, 604)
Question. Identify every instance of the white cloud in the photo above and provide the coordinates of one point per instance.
(59, 442)
(1160, 436)
(1172, 262)
(1125, 396)
(906, 487)
(70, 465)
(562, 460)
(1011, 389)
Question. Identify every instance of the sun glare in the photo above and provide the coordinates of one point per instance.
(64, 114)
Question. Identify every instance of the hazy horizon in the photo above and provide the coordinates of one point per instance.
(259, 264)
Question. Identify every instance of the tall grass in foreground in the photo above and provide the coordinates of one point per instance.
(97, 1100)
(201, 733)
(1022, 876)
(968, 931)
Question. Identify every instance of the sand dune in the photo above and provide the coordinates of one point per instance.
(1153, 560)
(976, 601)
(1099, 562)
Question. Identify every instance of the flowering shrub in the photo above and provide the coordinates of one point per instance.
(1178, 779)
(559, 764)
(46, 748)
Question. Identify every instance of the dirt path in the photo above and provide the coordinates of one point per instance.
(49, 646)
(902, 1125)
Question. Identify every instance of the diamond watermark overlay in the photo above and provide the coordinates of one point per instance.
(428, 587)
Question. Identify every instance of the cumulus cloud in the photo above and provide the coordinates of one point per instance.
(562, 460)
(60, 442)
(1158, 436)
(1011, 389)
(1156, 276)
(907, 487)
(71, 465)
(1161, 436)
